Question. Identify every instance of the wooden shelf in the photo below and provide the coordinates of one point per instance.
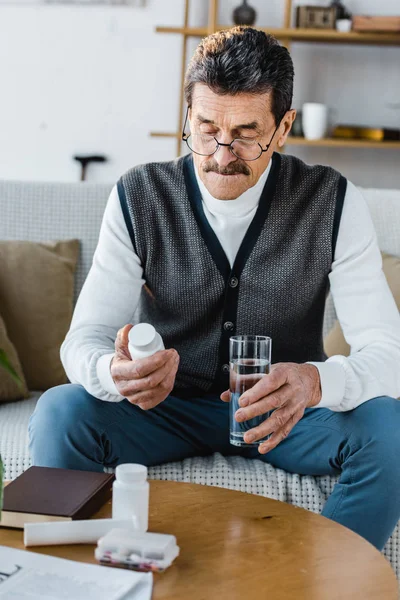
(190, 31)
(325, 36)
(164, 134)
(343, 143)
(325, 142)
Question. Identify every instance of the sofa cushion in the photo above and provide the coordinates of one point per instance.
(36, 299)
(9, 388)
(335, 342)
(39, 211)
(384, 206)
(14, 450)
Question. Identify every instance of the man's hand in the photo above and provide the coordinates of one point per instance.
(145, 381)
(287, 390)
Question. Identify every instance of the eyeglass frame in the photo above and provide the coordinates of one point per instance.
(186, 137)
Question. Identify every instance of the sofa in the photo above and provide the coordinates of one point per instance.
(57, 211)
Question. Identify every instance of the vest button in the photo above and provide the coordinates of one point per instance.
(229, 326)
(225, 368)
(233, 282)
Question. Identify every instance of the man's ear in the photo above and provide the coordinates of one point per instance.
(286, 126)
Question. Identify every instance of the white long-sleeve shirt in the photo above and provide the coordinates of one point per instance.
(363, 301)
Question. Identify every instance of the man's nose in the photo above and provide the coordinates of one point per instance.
(224, 156)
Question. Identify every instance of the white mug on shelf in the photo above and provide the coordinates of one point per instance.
(315, 120)
(344, 25)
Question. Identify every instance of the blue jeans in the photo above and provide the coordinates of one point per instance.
(73, 430)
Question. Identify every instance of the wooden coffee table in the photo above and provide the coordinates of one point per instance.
(236, 545)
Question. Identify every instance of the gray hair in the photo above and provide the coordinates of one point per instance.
(243, 60)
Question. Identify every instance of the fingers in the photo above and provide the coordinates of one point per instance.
(150, 398)
(278, 436)
(148, 391)
(121, 343)
(137, 369)
(281, 421)
(287, 391)
(225, 396)
(129, 387)
(146, 381)
(264, 405)
(267, 384)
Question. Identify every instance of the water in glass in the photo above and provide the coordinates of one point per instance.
(244, 373)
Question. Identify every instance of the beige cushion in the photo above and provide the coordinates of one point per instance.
(9, 388)
(334, 342)
(36, 292)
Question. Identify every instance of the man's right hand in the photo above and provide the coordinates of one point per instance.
(144, 381)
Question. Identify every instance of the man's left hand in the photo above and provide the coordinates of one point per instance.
(287, 390)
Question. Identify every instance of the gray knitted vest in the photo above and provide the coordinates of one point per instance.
(276, 287)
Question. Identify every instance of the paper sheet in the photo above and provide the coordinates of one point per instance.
(30, 576)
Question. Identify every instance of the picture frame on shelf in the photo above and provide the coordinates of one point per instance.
(316, 17)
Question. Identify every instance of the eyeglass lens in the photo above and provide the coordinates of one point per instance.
(207, 145)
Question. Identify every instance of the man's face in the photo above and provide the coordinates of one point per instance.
(244, 116)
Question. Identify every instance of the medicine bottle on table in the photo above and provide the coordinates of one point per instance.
(144, 341)
(130, 496)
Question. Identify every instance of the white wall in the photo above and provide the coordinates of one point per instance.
(80, 79)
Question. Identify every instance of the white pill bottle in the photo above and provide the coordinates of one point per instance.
(144, 341)
(130, 498)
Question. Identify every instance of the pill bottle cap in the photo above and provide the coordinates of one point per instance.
(142, 334)
(144, 341)
(131, 473)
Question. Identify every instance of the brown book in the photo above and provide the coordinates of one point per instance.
(46, 494)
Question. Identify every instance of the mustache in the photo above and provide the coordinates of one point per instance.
(234, 168)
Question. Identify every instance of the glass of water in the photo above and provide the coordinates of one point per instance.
(250, 359)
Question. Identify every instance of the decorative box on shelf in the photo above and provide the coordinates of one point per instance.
(371, 23)
(316, 17)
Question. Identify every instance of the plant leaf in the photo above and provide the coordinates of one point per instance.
(5, 363)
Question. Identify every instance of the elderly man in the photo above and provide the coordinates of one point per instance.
(235, 238)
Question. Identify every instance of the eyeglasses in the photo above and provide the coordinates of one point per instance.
(207, 145)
